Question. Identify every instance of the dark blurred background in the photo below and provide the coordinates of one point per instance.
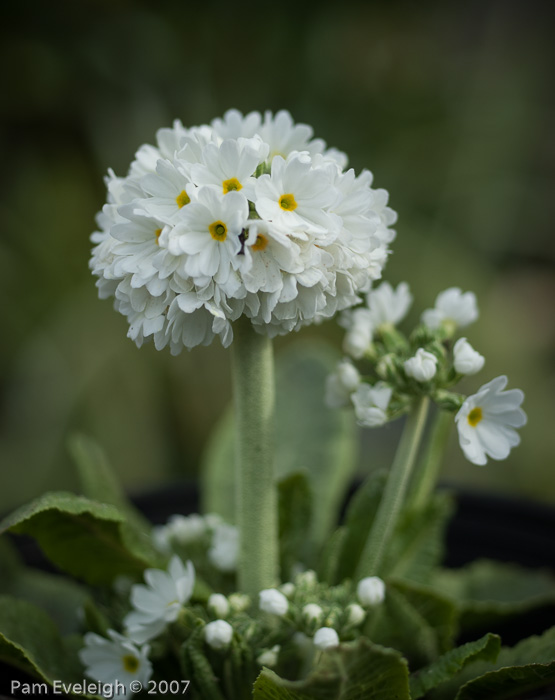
(449, 104)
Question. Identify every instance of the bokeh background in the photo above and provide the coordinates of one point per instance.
(449, 104)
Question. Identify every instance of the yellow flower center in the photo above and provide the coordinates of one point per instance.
(287, 202)
(130, 663)
(218, 231)
(231, 185)
(182, 199)
(260, 243)
(157, 234)
(475, 416)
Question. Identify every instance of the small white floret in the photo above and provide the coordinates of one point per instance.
(422, 367)
(269, 657)
(371, 591)
(273, 602)
(219, 605)
(465, 359)
(326, 638)
(312, 612)
(355, 614)
(218, 634)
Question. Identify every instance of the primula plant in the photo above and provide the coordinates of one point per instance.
(247, 229)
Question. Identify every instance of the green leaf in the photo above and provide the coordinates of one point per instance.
(356, 671)
(86, 539)
(30, 640)
(487, 591)
(331, 554)
(417, 546)
(360, 516)
(98, 481)
(294, 520)
(414, 619)
(528, 666)
(448, 665)
(310, 438)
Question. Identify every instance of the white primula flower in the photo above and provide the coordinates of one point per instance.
(116, 659)
(269, 658)
(218, 634)
(273, 602)
(465, 359)
(487, 419)
(341, 384)
(371, 591)
(325, 638)
(224, 549)
(388, 305)
(158, 603)
(312, 612)
(371, 403)
(185, 529)
(422, 367)
(358, 323)
(452, 307)
(249, 217)
(219, 605)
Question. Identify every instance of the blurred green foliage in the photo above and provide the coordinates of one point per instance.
(449, 104)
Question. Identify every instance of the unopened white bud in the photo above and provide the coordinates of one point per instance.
(466, 359)
(239, 602)
(371, 591)
(218, 634)
(273, 602)
(288, 589)
(326, 638)
(422, 366)
(218, 604)
(307, 578)
(356, 614)
(312, 612)
(269, 657)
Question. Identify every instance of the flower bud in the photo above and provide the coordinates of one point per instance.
(422, 366)
(239, 602)
(312, 612)
(273, 602)
(371, 591)
(355, 614)
(218, 604)
(466, 359)
(218, 634)
(269, 657)
(325, 638)
(341, 384)
(288, 589)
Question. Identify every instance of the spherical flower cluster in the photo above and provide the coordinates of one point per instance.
(249, 216)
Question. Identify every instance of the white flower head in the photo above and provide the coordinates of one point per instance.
(218, 634)
(355, 614)
(273, 602)
(487, 420)
(371, 403)
(269, 657)
(371, 591)
(388, 305)
(218, 604)
(325, 638)
(452, 307)
(249, 216)
(465, 359)
(115, 659)
(341, 384)
(224, 549)
(422, 367)
(312, 612)
(158, 603)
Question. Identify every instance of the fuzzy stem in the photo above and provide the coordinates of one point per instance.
(394, 492)
(428, 471)
(256, 515)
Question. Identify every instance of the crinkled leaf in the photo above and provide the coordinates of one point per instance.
(488, 591)
(525, 667)
(358, 521)
(414, 619)
(30, 640)
(294, 520)
(448, 665)
(98, 481)
(310, 438)
(88, 540)
(418, 543)
(357, 671)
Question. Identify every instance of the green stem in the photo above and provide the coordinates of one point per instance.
(256, 515)
(428, 471)
(394, 492)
